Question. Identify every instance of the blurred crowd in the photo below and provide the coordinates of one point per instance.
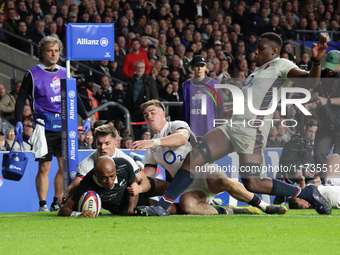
(155, 42)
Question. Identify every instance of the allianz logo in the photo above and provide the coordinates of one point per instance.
(85, 41)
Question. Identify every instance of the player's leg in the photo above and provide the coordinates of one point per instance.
(219, 182)
(250, 167)
(213, 143)
(194, 202)
(58, 185)
(333, 170)
(55, 141)
(42, 184)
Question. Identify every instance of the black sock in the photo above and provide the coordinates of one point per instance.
(255, 201)
(42, 203)
(181, 181)
(284, 189)
(55, 199)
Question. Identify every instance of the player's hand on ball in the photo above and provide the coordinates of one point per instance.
(61, 201)
(87, 214)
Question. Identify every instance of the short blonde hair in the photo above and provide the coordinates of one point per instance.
(104, 130)
(154, 102)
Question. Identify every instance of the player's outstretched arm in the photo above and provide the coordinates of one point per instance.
(318, 52)
(132, 204)
(68, 210)
(70, 190)
(179, 138)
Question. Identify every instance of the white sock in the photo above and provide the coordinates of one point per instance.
(263, 205)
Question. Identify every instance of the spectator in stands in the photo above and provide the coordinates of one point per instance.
(3, 37)
(38, 33)
(124, 132)
(104, 69)
(166, 92)
(4, 124)
(195, 9)
(52, 28)
(314, 36)
(176, 66)
(7, 102)
(88, 140)
(272, 141)
(37, 12)
(152, 52)
(10, 136)
(305, 63)
(328, 96)
(63, 11)
(141, 88)
(163, 76)
(126, 142)
(116, 71)
(274, 27)
(161, 48)
(334, 26)
(22, 32)
(146, 133)
(86, 90)
(323, 29)
(11, 23)
(288, 48)
(122, 51)
(26, 135)
(2, 141)
(133, 57)
(282, 134)
(104, 95)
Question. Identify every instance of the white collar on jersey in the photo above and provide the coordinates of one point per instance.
(96, 181)
(268, 63)
(43, 67)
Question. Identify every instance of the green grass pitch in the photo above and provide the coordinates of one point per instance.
(297, 232)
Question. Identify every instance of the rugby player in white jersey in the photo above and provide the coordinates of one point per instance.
(330, 191)
(168, 148)
(249, 141)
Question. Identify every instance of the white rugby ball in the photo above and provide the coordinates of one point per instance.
(90, 200)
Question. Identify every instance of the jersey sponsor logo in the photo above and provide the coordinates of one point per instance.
(85, 41)
(55, 84)
(122, 183)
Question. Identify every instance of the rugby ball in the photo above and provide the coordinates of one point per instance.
(90, 200)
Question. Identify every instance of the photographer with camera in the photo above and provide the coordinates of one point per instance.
(327, 96)
(297, 156)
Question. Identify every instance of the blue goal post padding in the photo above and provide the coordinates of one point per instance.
(89, 41)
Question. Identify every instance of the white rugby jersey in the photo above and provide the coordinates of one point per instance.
(332, 195)
(170, 159)
(262, 81)
(88, 163)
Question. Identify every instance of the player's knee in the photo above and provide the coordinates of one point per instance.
(251, 184)
(187, 204)
(44, 167)
(203, 148)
